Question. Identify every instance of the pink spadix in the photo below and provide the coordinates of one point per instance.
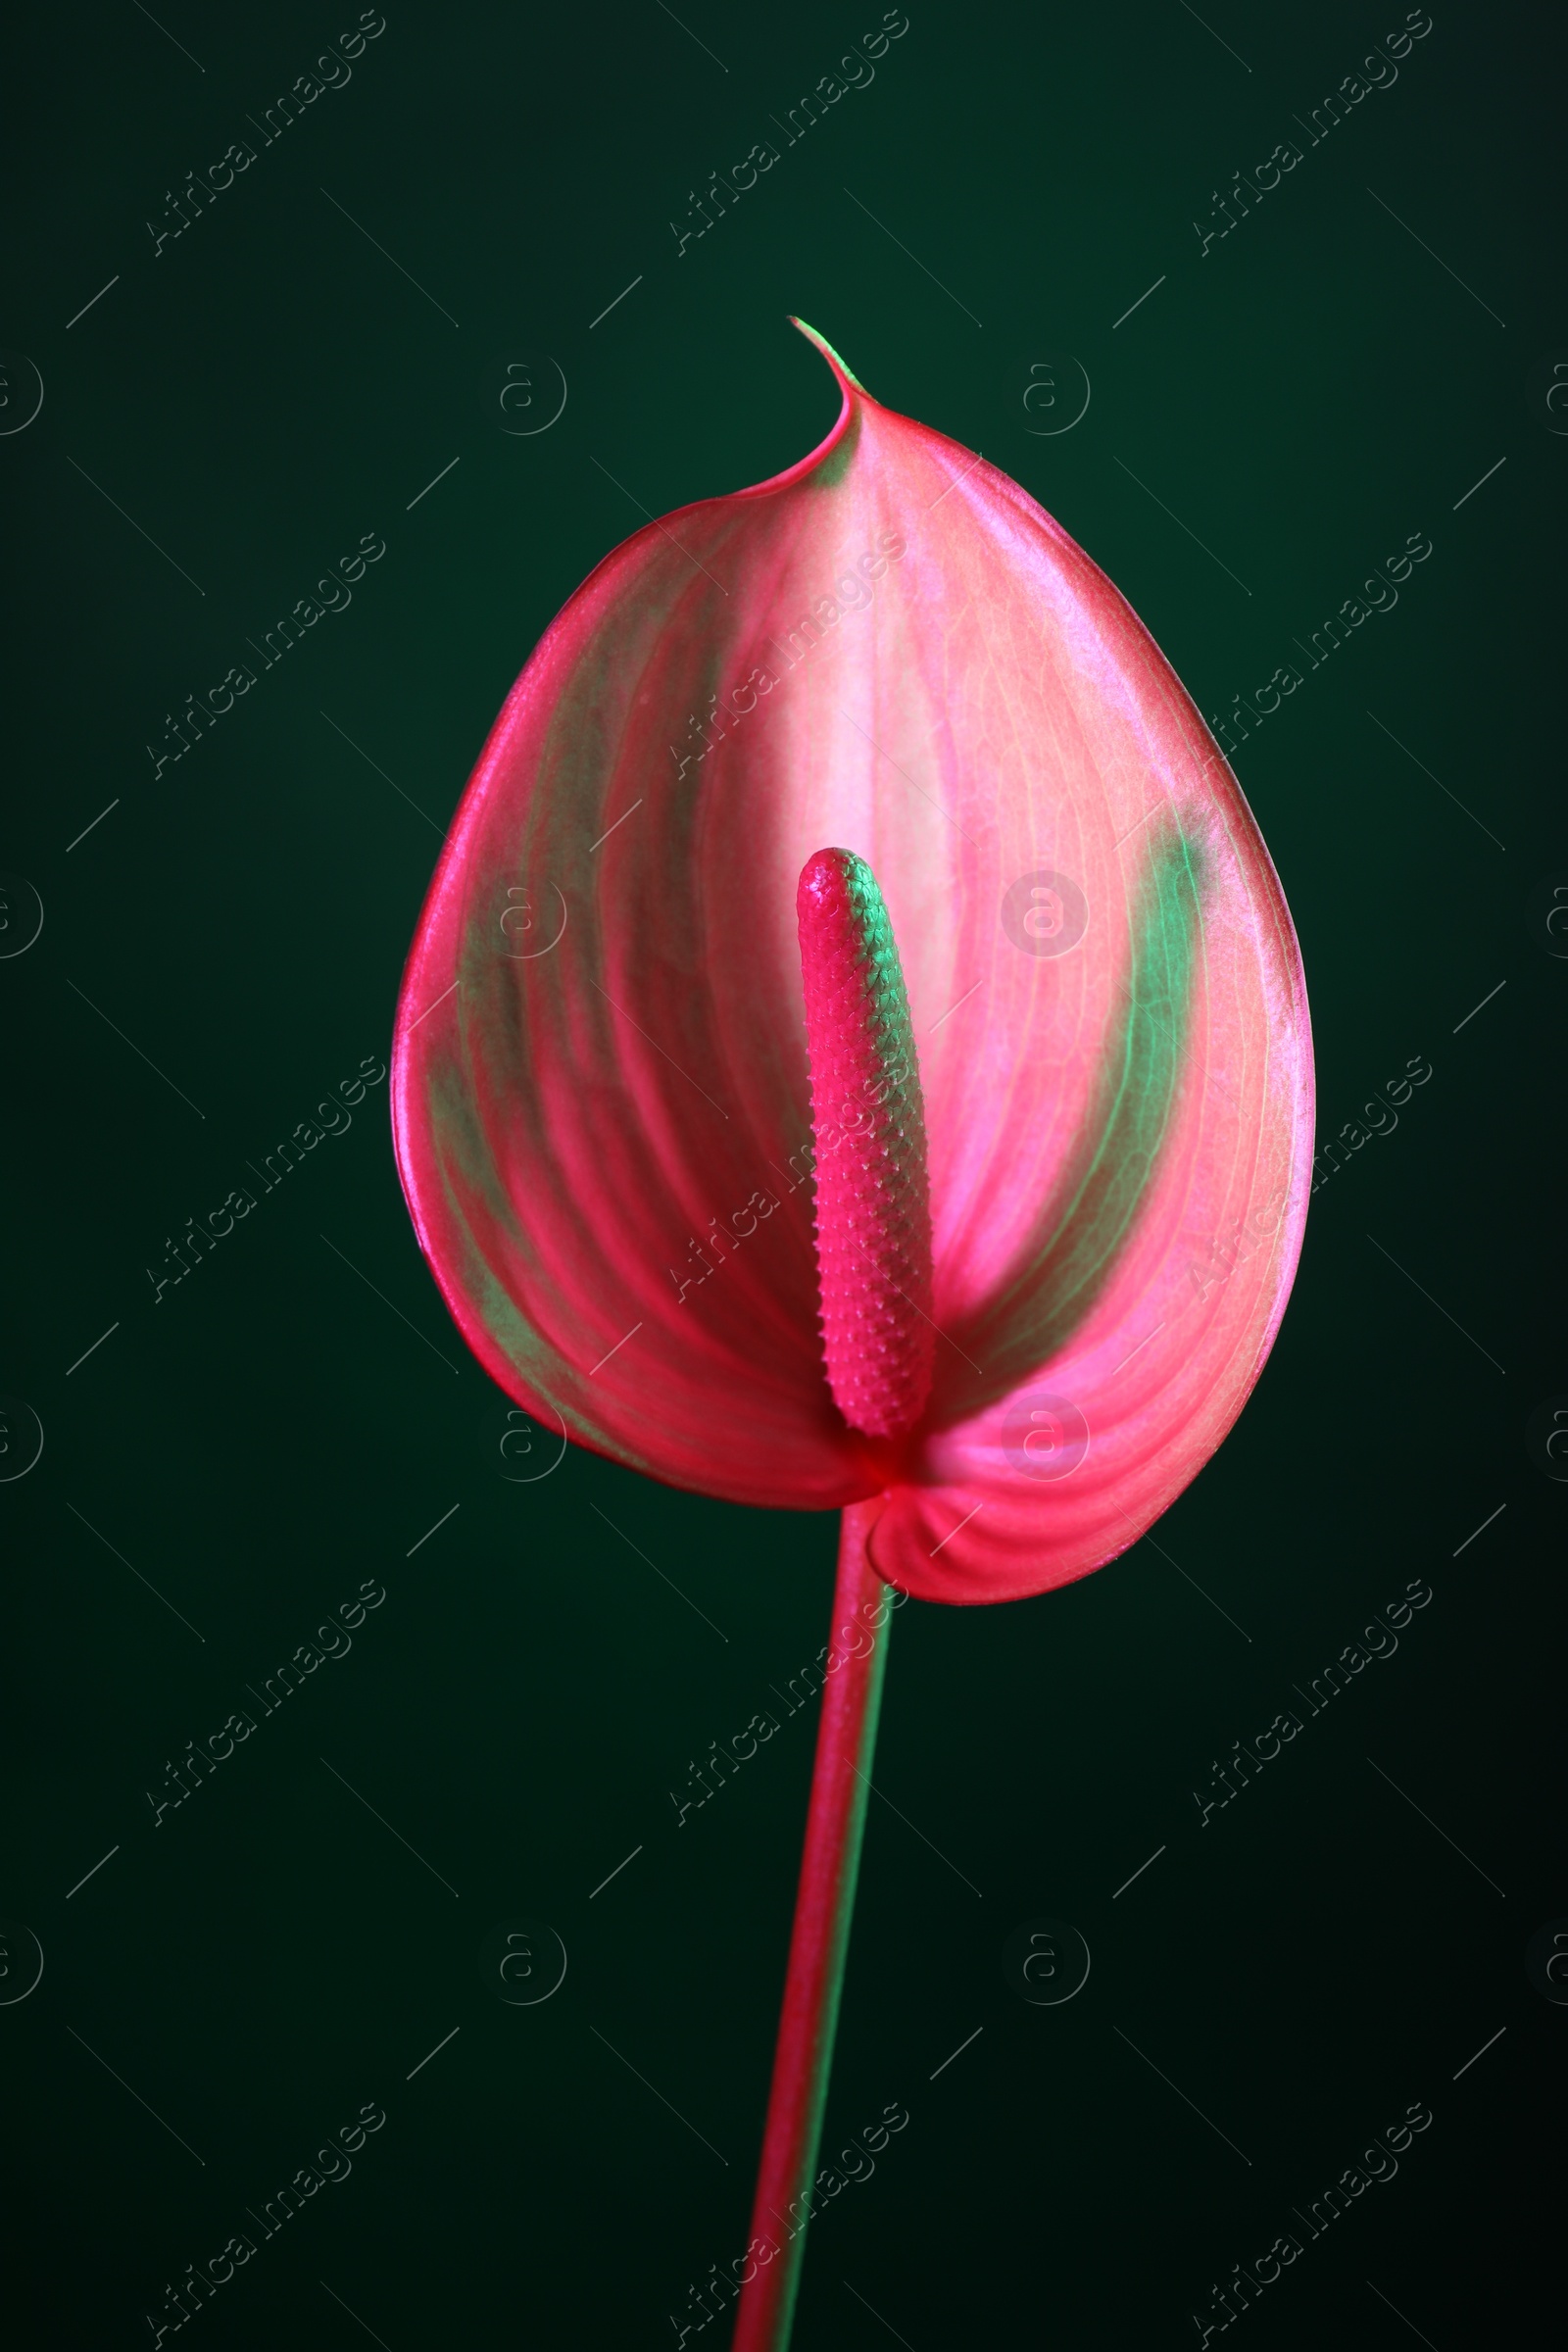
(873, 1206)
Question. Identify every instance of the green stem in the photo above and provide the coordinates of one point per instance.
(802, 2058)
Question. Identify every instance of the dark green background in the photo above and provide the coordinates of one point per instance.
(1312, 391)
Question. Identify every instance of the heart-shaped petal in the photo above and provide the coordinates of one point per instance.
(602, 1101)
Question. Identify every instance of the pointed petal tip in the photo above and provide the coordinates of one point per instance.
(846, 374)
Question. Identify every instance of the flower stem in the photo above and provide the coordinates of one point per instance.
(803, 2057)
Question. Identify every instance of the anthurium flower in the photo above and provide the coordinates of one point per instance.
(602, 1097)
(855, 1053)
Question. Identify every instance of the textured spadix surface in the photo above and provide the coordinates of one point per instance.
(873, 1220)
(602, 1102)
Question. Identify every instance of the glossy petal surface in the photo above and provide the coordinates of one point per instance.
(602, 1102)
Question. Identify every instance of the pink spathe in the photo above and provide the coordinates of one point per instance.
(602, 1084)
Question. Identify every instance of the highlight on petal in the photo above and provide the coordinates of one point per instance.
(602, 1094)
